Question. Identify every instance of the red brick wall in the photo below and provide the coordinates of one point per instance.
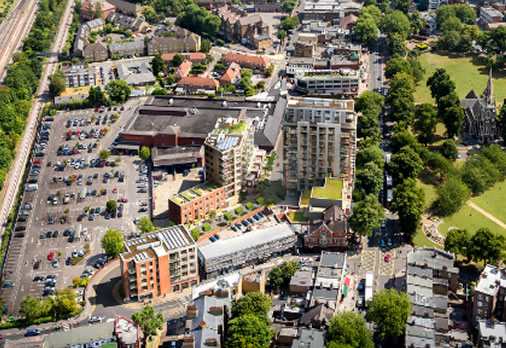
(165, 140)
(164, 273)
(176, 213)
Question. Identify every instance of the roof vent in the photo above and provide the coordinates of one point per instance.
(171, 101)
(224, 104)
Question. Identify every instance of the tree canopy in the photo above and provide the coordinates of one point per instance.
(425, 123)
(198, 20)
(367, 216)
(145, 153)
(457, 241)
(449, 150)
(486, 246)
(405, 164)
(118, 90)
(408, 202)
(112, 243)
(451, 196)
(158, 64)
(253, 303)
(148, 320)
(248, 331)
(290, 22)
(349, 329)
(145, 224)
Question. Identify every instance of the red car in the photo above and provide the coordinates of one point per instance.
(36, 161)
(50, 257)
(388, 257)
(123, 200)
(114, 190)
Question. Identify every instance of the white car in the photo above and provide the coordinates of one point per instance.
(75, 253)
(95, 320)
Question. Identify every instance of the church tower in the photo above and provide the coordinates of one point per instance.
(488, 93)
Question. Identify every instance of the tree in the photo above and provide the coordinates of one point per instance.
(145, 153)
(449, 150)
(408, 202)
(275, 280)
(367, 216)
(205, 46)
(30, 308)
(417, 22)
(281, 34)
(112, 243)
(372, 12)
(501, 121)
(118, 90)
(290, 22)
(425, 122)
(195, 233)
(111, 205)
(97, 10)
(171, 79)
(158, 64)
(401, 139)
(288, 6)
(405, 164)
(145, 224)
(150, 14)
(349, 329)
(253, 303)
(403, 5)
(365, 30)
(440, 84)
(389, 310)
(104, 155)
(451, 196)
(57, 83)
(370, 154)
(369, 102)
(457, 241)
(396, 22)
(148, 320)
(64, 305)
(453, 118)
(96, 97)
(370, 178)
(177, 60)
(486, 246)
(439, 165)
(248, 331)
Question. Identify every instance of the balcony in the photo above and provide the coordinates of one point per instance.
(132, 279)
(132, 271)
(174, 260)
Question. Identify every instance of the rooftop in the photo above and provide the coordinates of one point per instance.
(491, 280)
(495, 332)
(309, 338)
(81, 335)
(227, 133)
(193, 193)
(244, 58)
(432, 258)
(157, 244)
(332, 189)
(320, 103)
(127, 331)
(198, 81)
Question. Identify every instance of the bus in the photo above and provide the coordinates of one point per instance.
(368, 286)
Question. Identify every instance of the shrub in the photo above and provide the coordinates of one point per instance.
(10, 325)
(260, 201)
(83, 282)
(195, 233)
(228, 216)
(206, 227)
(239, 211)
(76, 260)
(87, 246)
(270, 202)
(249, 206)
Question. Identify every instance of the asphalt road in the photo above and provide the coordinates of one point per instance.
(376, 74)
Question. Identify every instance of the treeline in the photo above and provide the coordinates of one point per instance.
(22, 80)
(198, 20)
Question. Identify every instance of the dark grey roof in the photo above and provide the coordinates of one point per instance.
(325, 294)
(319, 313)
(332, 259)
(309, 338)
(212, 322)
(273, 126)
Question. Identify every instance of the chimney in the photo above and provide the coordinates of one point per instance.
(202, 324)
(211, 342)
(434, 254)
(191, 311)
(188, 342)
(216, 310)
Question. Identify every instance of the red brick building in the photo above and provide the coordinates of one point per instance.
(331, 232)
(159, 263)
(246, 61)
(196, 203)
(193, 84)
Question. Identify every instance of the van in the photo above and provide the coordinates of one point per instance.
(32, 187)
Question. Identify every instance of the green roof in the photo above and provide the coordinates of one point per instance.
(193, 193)
(333, 189)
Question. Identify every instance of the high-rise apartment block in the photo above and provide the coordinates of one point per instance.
(229, 149)
(319, 141)
(159, 263)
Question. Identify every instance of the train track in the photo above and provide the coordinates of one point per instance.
(14, 29)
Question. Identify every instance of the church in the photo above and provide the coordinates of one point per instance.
(479, 120)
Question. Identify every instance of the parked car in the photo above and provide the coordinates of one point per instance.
(32, 332)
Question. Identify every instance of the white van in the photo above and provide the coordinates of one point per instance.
(32, 187)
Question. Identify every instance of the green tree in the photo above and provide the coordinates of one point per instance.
(372, 12)
(369, 102)
(367, 216)
(425, 122)
(405, 164)
(403, 138)
(157, 64)
(453, 118)
(275, 280)
(389, 310)
(118, 90)
(150, 14)
(501, 121)
(64, 305)
(449, 150)
(396, 22)
(248, 331)
(479, 173)
(370, 178)
(457, 241)
(408, 202)
(205, 46)
(57, 83)
(365, 30)
(288, 6)
(171, 79)
(148, 320)
(253, 303)
(439, 165)
(177, 60)
(145, 224)
(30, 308)
(370, 154)
(451, 196)
(104, 155)
(440, 84)
(198, 20)
(145, 153)
(281, 34)
(486, 246)
(349, 329)
(452, 24)
(195, 233)
(112, 243)
(290, 22)
(111, 205)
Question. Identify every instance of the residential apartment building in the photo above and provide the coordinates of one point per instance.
(304, 49)
(105, 9)
(135, 24)
(81, 39)
(196, 203)
(127, 49)
(190, 84)
(228, 152)
(194, 57)
(319, 141)
(299, 65)
(430, 276)
(491, 334)
(330, 82)
(78, 76)
(246, 61)
(205, 321)
(232, 76)
(159, 263)
(230, 254)
(126, 7)
(490, 295)
(95, 52)
(183, 70)
(178, 40)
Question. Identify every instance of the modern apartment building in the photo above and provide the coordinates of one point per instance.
(230, 254)
(228, 152)
(342, 82)
(490, 295)
(159, 263)
(319, 141)
(78, 76)
(196, 203)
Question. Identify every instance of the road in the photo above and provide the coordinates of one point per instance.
(14, 29)
(15, 175)
(376, 60)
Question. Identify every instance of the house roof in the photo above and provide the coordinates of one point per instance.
(309, 338)
(347, 20)
(252, 19)
(97, 46)
(184, 68)
(232, 72)
(245, 59)
(320, 313)
(126, 6)
(198, 81)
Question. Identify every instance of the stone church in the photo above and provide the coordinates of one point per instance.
(479, 120)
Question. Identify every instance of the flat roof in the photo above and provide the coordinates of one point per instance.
(81, 335)
(246, 241)
(491, 279)
(333, 189)
(194, 193)
(162, 156)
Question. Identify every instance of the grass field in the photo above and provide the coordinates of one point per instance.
(493, 201)
(467, 73)
(420, 240)
(297, 216)
(429, 191)
(469, 219)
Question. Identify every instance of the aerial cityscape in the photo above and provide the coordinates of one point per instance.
(262, 174)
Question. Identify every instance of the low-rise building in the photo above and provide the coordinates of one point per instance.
(135, 24)
(174, 39)
(301, 282)
(192, 84)
(127, 49)
(183, 70)
(194, 57)
(127, 7)
(490, 15)
(330, 232)
(159, 263)
(490, 295)
(95, 52)
(105, 8)
(81, 39)
(491, 334)
(343, 82)
(205, 321)
(136, 73)
(231, 76)
(196, 203)
(329, 283)
(309, 338)
(327, 10)
(262, 42)
(304, 49)
(77, 75)
(226, 255)
(297, 65)
(246, 61)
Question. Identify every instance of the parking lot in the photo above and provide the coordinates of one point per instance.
(65, 213)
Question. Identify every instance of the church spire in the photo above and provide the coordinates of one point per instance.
(488, 94)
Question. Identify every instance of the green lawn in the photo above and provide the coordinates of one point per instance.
(463, 72)
(493, 201)
(297, 216)
(333, 189)
(420, 240)
(429, 191)
(469, 219)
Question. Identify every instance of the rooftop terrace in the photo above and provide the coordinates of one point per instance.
(193, 193)
(333, 189)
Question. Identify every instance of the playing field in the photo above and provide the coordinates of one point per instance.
(467, 73)
(469, 219)
(493, 201)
